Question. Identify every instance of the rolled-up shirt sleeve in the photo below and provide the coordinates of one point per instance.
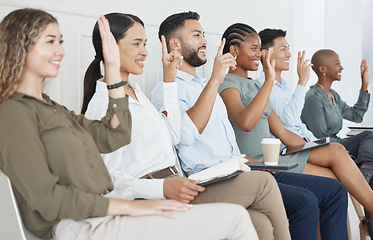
(171, 106)
(189, 131)
(289, 112)
(148, 188)
(107, 138)
(128, 187)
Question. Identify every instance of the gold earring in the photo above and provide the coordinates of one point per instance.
(323, 74)
(235, 57)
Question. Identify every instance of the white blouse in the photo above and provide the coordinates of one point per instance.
(152, 138)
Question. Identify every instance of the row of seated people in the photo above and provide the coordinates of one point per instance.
(63, 187)
(319, 112)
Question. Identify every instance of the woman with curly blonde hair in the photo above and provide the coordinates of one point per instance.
(14, 46)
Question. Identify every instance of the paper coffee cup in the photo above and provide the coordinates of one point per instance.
(271, 150)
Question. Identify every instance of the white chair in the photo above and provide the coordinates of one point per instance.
(361, 216)
(11, 225)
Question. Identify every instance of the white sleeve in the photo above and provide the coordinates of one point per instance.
(171, 106)
(125, 185)
(98, 105)
(128, 187)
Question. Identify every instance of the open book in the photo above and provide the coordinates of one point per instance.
(222, 171)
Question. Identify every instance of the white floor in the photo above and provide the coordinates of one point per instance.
(354, 222)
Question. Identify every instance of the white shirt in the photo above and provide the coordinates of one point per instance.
(217, 143)
(152, 138)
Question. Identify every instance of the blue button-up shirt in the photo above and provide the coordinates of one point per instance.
(216, 144)
(288, 106)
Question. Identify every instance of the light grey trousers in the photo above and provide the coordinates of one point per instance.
(258, 192)
(203, 221)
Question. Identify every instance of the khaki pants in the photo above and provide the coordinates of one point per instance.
(204, 221)
(258, 192)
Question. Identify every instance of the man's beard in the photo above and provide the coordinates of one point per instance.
(191, 56)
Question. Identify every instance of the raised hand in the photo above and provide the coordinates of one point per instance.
(171, 62)
(155, 207)
(303, 68)
(364, 75)
(110, 51)
(268, 65)
(181, 189)
(221, 63)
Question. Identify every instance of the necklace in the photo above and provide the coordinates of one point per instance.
(320, 86)
(331, 100)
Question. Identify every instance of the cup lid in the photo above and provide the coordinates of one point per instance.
(271, 141)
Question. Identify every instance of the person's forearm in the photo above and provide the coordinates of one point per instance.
(144, 207)
(303, 80)
(290, 112)
(291, 139)
(118, 207)
(201, 111)
(254, 111)
(364, 87)
(280, 131)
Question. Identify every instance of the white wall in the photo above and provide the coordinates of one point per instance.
(366, 51)
(310, 25)
(348, 45)
(77, 18)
